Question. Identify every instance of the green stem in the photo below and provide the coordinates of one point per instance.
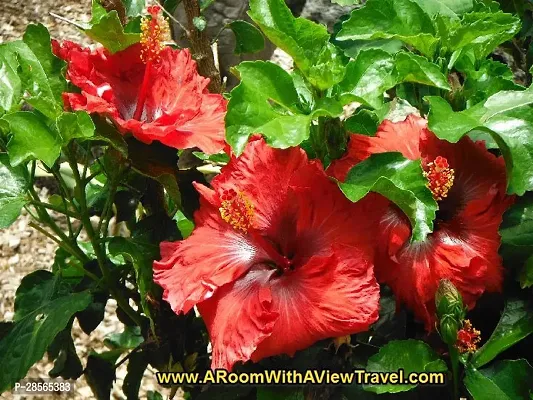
(45, 218)
(55, 208)
(94, 239)
(108, 206)
(65, 246)
(454, 358)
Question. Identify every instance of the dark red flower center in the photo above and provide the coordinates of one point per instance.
(440, 177)
(154, 32)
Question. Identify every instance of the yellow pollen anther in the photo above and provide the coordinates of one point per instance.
(440, 177)
(154, 32)
(237, 210)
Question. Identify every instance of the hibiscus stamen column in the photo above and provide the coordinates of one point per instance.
(154, 32)
(237, 210)
(440, 177)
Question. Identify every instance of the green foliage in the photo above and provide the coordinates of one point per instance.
(12, 192)
(185, 225)
(27, 127)
(375, 71)
(404, 20)
(38, 73)
(141, 254)
(134, 8)
(100, 372)
(128, 196)
(265, 102)
(105, 28)
(248, 39)
(507, 116)
(127, 340)
(409, 355)
(305, 41)
(401, 181)
(505, 380)
(515, 324)
(43, 307)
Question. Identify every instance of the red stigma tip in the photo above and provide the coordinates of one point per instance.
(153, 10)
(237, 210)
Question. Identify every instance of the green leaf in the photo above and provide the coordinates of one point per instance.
(100, 373)
(515, 324)
(110, 33)
(150, 395)
(199, 23)
(248, 39)
(482, 32)
(368, 77)
(76, 125)
(10, 84)
(12, 191)
(137, 364)
(134, 8)
(401, 181)
(97, 12)
(265, 102)
(409, 355)
(43, 307)
(412, 68)
(37, 39)
(127, 340)
(158, 162)
(507, 116)
(404, 20)
(67, 364)
(305, 41)
(504, 380)
(490, 78)
(517, 226)
(204, 4)
(374, 71)
(185, 225)
(29, 129)
(526, 274)
(35, 83)
(364, 122)
(141, 254)
(219, 158)
(450, 8)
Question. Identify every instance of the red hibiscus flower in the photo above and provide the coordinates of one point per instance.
(469, 185)
(148, 89)
(279, 258)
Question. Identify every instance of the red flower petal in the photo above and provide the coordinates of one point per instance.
(403, 137)
(215, 253)
(261, 315)
(307, 250)
(178, 111)
(464, 245)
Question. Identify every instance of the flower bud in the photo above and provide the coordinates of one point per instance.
(449, 301)
(448, 329)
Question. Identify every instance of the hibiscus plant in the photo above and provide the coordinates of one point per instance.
(368, 208)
